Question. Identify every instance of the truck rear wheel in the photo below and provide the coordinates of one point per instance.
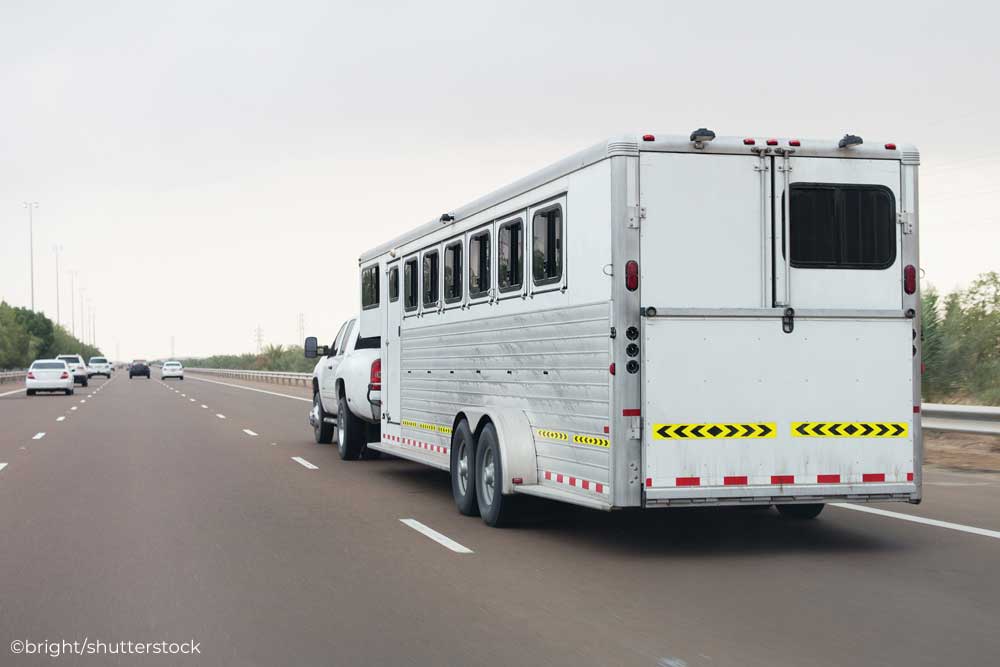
(809, 511)
(494, 507)
(463, 469)
(322, 431)
(350, 432)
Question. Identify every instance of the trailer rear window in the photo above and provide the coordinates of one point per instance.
(479, 264)
(453, 272)
(431, 273)
(394, 284)
(547, 251)
(369, 287)
(837, 226)
(510, 256)
(410, 284)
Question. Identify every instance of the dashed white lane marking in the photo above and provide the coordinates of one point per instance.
(59, 419)
(443, 540)
(301, 461)
(204, 406)
(191, 399)
(16, 391)
(2, 466)
(249, 432)
(39, 435)
(259, 391)
(184, 395)
(220, 416)
(919, 519)
(73, 408)
(84, 401)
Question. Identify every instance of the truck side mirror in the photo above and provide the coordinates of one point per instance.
(310, 347)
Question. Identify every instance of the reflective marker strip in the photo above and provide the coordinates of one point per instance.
(576, 482)
(738, 480)
(713, 431)
(782, 479)
(828, 479)
(688, 481)
(873, 477)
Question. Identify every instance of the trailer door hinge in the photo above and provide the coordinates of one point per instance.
(635, 429)
(905, 221)
(635, 216)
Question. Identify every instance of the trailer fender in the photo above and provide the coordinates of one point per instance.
(517, 445)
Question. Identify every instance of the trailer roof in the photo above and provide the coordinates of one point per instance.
(631, 145)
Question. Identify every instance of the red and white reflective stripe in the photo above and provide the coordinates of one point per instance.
(417, 444)
(576, 482)
(745, 480)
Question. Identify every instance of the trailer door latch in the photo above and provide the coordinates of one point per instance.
(788, 320)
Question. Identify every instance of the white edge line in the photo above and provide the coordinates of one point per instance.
(39, 435)
(259, 391)
(301, 461)
(16, 391)
(443, 540)
(249, 432)
(919, 519)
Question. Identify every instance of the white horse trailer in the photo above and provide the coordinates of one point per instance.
(663, 321)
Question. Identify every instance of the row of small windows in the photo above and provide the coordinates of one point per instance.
(546, 261)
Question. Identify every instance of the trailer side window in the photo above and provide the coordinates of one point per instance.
(369, 287)
(453, 272)
(410, 284)
(510, 256)
(837, 226)
(394, 284)
(547, 251)
(479, 264)
(431, 273)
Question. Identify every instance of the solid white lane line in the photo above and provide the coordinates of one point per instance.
(220, 416)
(16, 391)
(259, 391)
(39, 435)
(249, 432)
(2, 466)
(303, 462)
(919, 519)
(59, 419)
(443, 540)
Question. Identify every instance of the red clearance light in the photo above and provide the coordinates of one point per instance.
(648, 137)
(910, 279)
(631, 275)
(611, 369)
(749, 142)
(375, 380)
(794, 142)
(517, 480)
(890, 147)
(772, 142)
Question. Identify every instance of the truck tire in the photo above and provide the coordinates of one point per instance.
(463, 469)
(809, 511)
(322, 431)
(350, 432)
(495, 508)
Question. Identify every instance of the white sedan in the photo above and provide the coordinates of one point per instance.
(49, 375)
(172, 369)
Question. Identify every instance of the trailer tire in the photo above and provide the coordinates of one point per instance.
(322, 431)
(494, 507)
(350, 432)
(807, 511)
(463, 469)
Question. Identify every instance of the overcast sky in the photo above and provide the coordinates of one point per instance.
(209, 166)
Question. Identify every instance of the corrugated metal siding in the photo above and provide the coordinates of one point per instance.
(552, 364)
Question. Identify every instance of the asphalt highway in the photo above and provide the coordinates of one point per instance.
(196, 510)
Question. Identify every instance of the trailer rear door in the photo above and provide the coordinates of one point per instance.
(739, 401)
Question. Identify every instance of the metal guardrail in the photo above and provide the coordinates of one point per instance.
(12, 376)
(260, 376)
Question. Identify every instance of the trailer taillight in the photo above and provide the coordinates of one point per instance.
(611, 368)
(631, 275)
(648, 137)
(794, 142)
(772, 142)
(375, 380)
(910, 279)
(749, 142)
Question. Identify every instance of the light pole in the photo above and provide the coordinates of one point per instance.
(31, 206)
(83, 316)
(72, 303)
(57, 248)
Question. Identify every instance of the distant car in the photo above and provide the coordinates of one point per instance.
(99, 366)
(172, 369)
(49, 375)
(138, 367)
(77, 368)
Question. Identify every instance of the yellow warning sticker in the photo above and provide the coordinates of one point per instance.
(850, 429)
(592, 440)
(713, 431)
(552, 435)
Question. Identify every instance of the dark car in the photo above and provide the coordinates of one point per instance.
(138, 367)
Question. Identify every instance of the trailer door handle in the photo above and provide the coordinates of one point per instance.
(788, 320)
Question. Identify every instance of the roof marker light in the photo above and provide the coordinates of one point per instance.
(648, 137)
(749, 142)
(890, 147)
(772, 142)
(910, 279)
(794, 142)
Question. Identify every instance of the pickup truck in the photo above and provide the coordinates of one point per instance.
(347, 386)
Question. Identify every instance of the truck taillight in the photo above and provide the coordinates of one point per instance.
(631, 275)
(910, 279)
(375, 381)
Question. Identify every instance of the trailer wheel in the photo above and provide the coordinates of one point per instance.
(463, 469)
(350, 432)
(322, 431)
(494, 507)
(810, 511)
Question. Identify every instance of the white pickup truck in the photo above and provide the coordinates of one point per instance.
(347, 391)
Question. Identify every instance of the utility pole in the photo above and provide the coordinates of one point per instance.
(259, 335)
(72, 302)
(93, 325)
(172, 355)
(302, 327)
(83, 316)
(31, 206)
(57, 248)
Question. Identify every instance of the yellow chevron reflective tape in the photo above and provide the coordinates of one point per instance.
(410, 422)
(592, 440)
(850, 429)
(714, 431)
(552, 435)
(444, 429)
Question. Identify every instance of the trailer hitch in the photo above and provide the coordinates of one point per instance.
(788, 320)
